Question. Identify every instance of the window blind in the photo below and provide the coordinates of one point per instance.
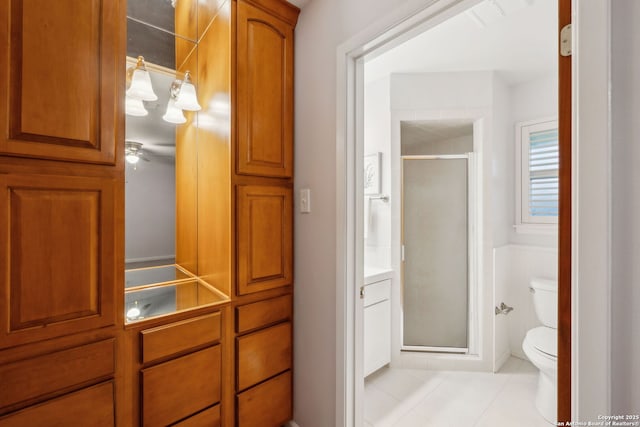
(543, 173)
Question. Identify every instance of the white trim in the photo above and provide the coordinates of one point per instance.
(591, 216)
(523, 219)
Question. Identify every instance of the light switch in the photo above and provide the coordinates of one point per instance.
(305, 200)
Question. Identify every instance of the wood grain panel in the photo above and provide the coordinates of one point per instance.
(207, 418)
(187, 182)
(93, 407)
(174, 338)
(264, 230)
(214, 153)
(57, 253)
(42, 375)
(59, 73)
(266, 405)
(263, 313)
(174, 390)
(263, 354)
(265, 93)
(564, 223)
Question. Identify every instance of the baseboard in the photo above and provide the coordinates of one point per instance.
(502, 360)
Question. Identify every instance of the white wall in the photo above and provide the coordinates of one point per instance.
(377, 138)
(625, 359)
(516, 265)
(150, 200)
(531, 100)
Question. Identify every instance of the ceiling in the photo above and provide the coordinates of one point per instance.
(515, 38)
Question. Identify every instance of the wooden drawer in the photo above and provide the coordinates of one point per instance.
(263, 354)
(176, 389)
(263, 313)
(42, 375)
(92, 406)
(174, 338)
(207, 418)
(266, 405)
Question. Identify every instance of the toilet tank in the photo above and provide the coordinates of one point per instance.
(545, 300)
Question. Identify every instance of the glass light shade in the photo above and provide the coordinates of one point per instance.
(141, 86)
(135, 107)
(174, 114)
(132, 158)
(187, 99)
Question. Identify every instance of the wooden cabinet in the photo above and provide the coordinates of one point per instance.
(61, 226)
(265, 242)
(266, 405)
(181, 387)
(92, 406)
(178, 370)
(264, 93)
(58, 79)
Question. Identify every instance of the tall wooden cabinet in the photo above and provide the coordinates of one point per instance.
(61, 225)
(65, 352)
(263, 182)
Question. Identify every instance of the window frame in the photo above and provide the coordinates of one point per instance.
(524, 223)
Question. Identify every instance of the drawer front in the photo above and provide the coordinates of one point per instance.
(266, 405)
(93, 406)
(176, 389)
(263, 313)
(207, 418)
(263, 354)
(42, 375)
(176, 337)
(377, 292)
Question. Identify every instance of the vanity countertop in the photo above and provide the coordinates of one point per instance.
(376, 274)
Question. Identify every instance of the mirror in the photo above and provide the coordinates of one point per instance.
(178, 178)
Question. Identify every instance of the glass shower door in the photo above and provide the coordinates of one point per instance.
(435, 230)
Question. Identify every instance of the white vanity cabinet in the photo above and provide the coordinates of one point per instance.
(377, 325)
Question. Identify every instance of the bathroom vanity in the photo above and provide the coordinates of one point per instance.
(204, 338)
(377, 319)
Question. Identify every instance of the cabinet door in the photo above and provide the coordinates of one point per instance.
(57, 256)
(59, 79)
(265, 93)
(264, 238)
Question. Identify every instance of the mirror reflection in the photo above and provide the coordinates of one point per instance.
(160, 97)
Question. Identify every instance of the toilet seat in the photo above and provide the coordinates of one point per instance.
(544, 340)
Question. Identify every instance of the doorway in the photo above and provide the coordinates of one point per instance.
(432, 15)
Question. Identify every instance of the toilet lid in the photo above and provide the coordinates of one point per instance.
(544, 339)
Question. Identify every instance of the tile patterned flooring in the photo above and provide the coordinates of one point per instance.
(420, 398)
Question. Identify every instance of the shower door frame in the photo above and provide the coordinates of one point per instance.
(472, 291)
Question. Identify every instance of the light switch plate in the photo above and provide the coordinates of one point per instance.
(305, 200)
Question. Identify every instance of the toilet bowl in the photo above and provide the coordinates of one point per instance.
(540, 345)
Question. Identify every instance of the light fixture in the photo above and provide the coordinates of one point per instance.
(186, 98)
(174, 114)
(134, 312)
(140, 87)
(132, 152)
(135, 107)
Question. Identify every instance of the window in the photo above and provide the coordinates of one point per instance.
(537, 175)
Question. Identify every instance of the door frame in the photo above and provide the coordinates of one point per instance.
(588, 377)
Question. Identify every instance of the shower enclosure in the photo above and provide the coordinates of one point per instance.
(436, 242)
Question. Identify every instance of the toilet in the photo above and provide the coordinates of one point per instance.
(541, 345)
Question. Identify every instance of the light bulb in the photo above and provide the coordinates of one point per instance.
(132, 158)
(174, 114)
(187, 99)
(135, 107)
(141, 87)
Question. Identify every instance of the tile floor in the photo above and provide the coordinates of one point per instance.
(416, 398)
